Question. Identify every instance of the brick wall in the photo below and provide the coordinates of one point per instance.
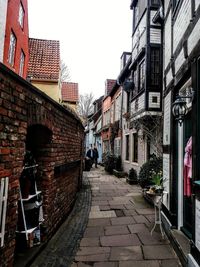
(31, 120)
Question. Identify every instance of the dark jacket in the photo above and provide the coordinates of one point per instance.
(90, 153)
(95, 153)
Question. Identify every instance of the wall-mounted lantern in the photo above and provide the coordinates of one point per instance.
(180, 108)
(128, 85)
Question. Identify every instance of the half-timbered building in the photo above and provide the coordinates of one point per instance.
(143, 86)
(181, 157)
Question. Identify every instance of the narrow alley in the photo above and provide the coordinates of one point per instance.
(117, 233)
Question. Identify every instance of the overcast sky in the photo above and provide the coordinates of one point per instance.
(92, 33)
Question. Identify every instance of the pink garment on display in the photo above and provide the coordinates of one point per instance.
(187, 171)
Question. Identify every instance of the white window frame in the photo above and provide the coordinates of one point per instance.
(21, 64)
(117, 146)
(12, 48)
(21, 15)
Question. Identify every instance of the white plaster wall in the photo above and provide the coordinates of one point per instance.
(3, 14)
(169, 77)
(197, 3)
(155, 36)
(179, 61)
(181, 23)
(167, 41)
(167, 120)
(194, 37)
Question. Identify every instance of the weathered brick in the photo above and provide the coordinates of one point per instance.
(20, 110)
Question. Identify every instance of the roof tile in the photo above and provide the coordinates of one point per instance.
(44, 61)
(69, 91)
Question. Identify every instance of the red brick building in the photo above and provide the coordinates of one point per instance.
(16, 53)
(107, 114)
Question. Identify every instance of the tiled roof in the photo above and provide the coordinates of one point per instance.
(109, 85)
(69, 91)
(44, 59)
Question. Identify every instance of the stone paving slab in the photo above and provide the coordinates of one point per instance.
(159, 252)
(138, 228)
(122, 220)
(106, 264)
(102, 214)
(94, 231)
(120, 240)
(93, 258)
(130, 212)
(92, 250)
(140, 219)
(148, 239)
(99, 222)
(139, 264)
(126, 253)
(104, 207)
(112, 229)
(116, 230)
(145, 211)
(90, 242)
(170, 263)
(117, 207)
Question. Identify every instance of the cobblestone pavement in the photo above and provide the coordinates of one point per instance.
(117, 233)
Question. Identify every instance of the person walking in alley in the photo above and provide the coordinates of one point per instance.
(95, 156)
(90, 154)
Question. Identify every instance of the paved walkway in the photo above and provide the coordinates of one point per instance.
(117, 233)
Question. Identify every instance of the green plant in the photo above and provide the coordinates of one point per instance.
(109, 162)
(157, 178)
(154, 165)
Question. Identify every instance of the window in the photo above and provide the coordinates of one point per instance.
(155, 66)
(127, 147)
(12, 47)
(21, 66)
(135, 148)
(107, 117)
(117, 147)
(154, 99)
(117, 107)
(21, 16)
(141, 76)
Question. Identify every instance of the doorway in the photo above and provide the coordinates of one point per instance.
(187, 200)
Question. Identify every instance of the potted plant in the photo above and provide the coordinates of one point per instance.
(147, 169)
(132, 177)
(157, 187)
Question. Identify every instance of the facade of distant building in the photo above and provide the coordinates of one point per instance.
(44, 66)
(106, 116)
(109, 83)
(70, 94)
(14, 52)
